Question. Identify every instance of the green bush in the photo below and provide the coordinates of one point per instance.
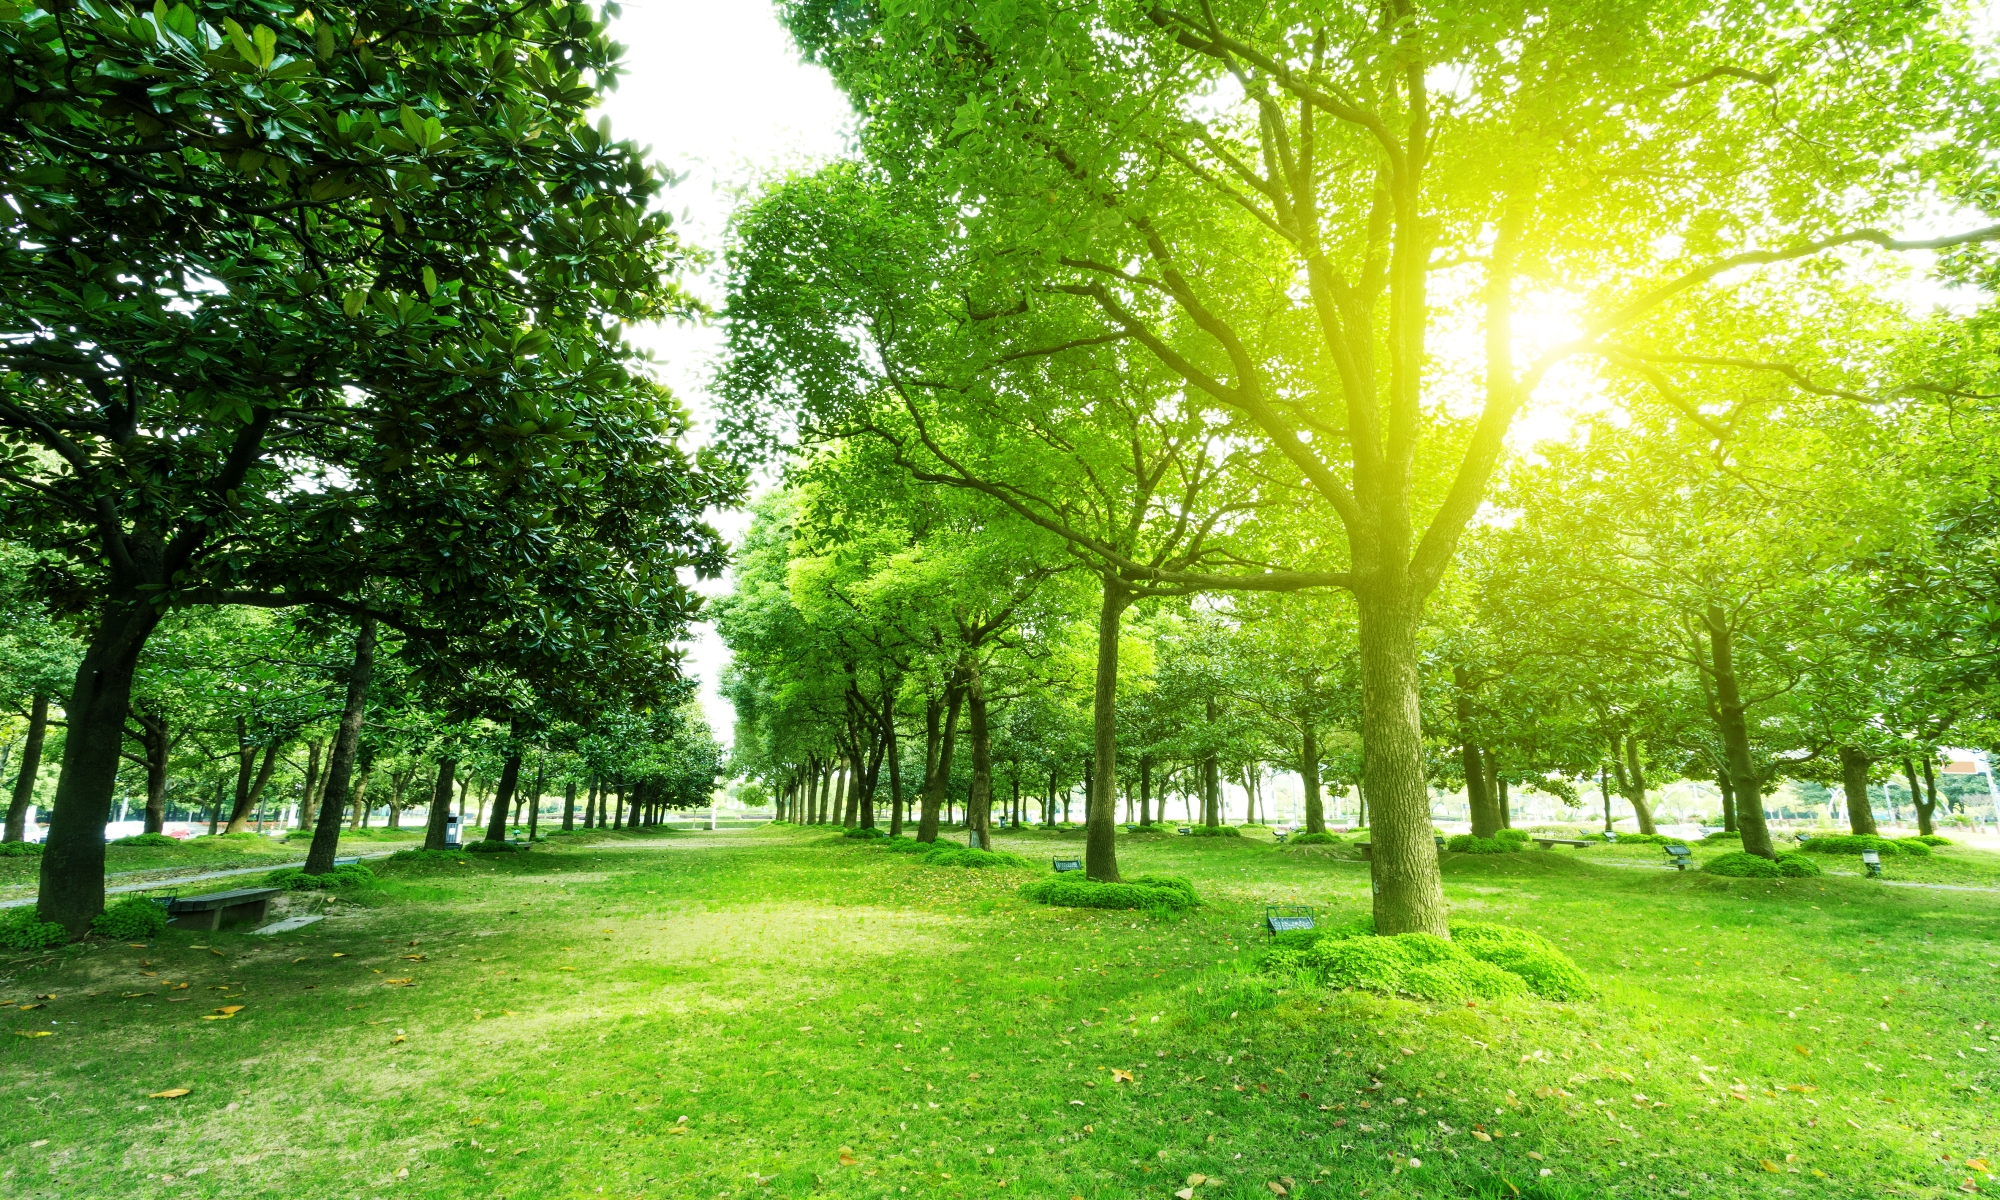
(1143, 892)
(21, 929)
(947, 855)
(20, 849)
(1797, 865)
(1215, 831)
(866, 835)
(1417, 964)
(1648, 839)
(906, 845)
(1742, 865)
(1518, 836)
(490, 846)
(1855, 843)
(418, 858)
(340, 878)
(1929, 839)
(1465, 843)
(1727, 835)
(1547, 971)
(1321, 838)
(146, 839)
(131, 919)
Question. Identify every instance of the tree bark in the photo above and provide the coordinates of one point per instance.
(1631, 781)
(154, 739)
(1484, 813)
(510, 780)
(251, 779)
(979, 804)
(1100, 839)
(1409, 893)
(1926, 810)
(1735, 732)
(440, 810)
(1211, 771)
(1722, 785)
(31, 767)
(364, 766)
(346, 741)
(306, 790)
(1145, 790)
(940, 778)
(1309, 777)
(1854, 767)
(895, 770)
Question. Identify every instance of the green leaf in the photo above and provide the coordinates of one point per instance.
(430, 282)
(266, 45)
(238, 41)
(351, 302)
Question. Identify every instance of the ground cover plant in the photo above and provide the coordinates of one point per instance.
(673, 1017)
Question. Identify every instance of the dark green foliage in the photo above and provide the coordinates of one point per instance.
(1517, 836)
(1930, 839)
(1214, 831)
(490, 846)
(1312, 839)
(131, 918)
(1855, 843)
(906, 845)
(21, 929)
(1143, 892)
(146, 839)
(1648, 839)
(20, 849)
(1797, 865)
(345, 877)
(966, 856)
(1465, 843)
(866, 835)
(1742, 865)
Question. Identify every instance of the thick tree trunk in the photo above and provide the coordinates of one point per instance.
(346, 742)
(1632, 781)
(1735, 734)
(31, 768)
(153, 737)
(1309, 777)
(250, 783)
(1409, 893)
(1925, 810)
(306, 791)
(1100, 839)
(510, 780)
(1854, 766)
(1728, 791)
(979, 805)
(940, 778)
(1930, 785)
(1484, 813)
(895, 755)
(440, 810)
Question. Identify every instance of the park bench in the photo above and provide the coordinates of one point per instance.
(1550, 843)
(1065, 865)
(1679, 857)
(1281, 833)
(1611, 836)
(1872, 859)
(1184, 831)
(217, 909)
(1285, 918)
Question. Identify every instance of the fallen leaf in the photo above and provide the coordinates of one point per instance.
(340, 954)
(230, 1010)
(676, 1129)
(130, 995)
(26, 1007)
(1196, 1180)
(1977, 1164)
(1119, 1076)
(136, 945)
(169, 1094)
(974, 1075)
(1770, 1166)
(398, 1038)
(1186, 1193)
(38, 1145)
(1801, 1088)
(1535, 1154)
(404, 982)
(1482, 1136)
(1277, 1189)
(847, 1160)
(1819, 1174)
(33, 1033)
(217, 953)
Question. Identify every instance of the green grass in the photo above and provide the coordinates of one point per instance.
(844, 1022)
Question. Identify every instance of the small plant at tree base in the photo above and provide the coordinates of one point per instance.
(1167, 892)
(1855, 843)
(131, 919)
(341, 878)
(969, 856)
(1214, 831)
(21, 929)
(866, 835)
(485, 846)
(1518, 836)
(1465, 843)
(1321, 838)
(146, 839)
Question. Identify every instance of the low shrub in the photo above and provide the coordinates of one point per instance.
(906, 845)
(968, 856)
(1138, 829)
(146, 839)
(1547, 971)
(341, 878)
(1855, 843)
(1797, 865)
(1519, 836)
(1726, 835)
(1465, 843)
(1142, 892)
(1417, 964)
(1742, 865)
(418, 858)
(1321, 838)
(1929, 839)
(490, 846)
(130, 919)
(866, 835)
(20, 849)
(22, 929)
(1647, 839)
(1214, 831)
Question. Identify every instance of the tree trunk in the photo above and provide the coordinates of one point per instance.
(1854, 767)
(1632, 781)
(1484, 813)
(250, 783)
(940, 778)
(1100, 840)
(1211, 772)
(1925, 811)
(1930, 786)
(1409, 893)
(618, 805)
(346, 741)
(1145, 790)
(440, 809)
(306, 810)
(979, 804)
(535, 794)
(31, 767)
(154, 738)
(1309, 777)
(510, 780)
(1735, 733)
(895, 772)
(1722, 785)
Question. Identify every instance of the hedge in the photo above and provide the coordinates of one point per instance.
(146, 839)
(1142, 892)
(866, 835)
(20, 849)
(1855, 843)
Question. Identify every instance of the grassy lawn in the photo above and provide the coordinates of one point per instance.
(783, 1013)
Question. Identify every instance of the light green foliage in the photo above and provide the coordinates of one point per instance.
(1519, 837)
(130, 919)
(146, 839)
(1466, 843)
(492, 846)
(1646, 839)
(969, 856)
(1214, 831)
(20, 849)
(1547, 971)
(1930, 839)
(1312, 839)
(21, 929)
(1741, 864)
(1852, 843)
(1141, 892)
(1797, 866)
(1480, 960)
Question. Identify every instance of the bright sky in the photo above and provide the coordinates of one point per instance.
(718, 92)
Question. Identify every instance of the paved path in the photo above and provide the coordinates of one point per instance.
(175, 880)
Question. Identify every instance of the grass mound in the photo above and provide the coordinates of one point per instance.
(20, 849)
(866, 835)
(1726, 835)
(425, 858)
(146, 839)
(906, 845)
(131, 918)
(1647, 839)
(1142, 892)
(1855, 843)
(21, 929)
(1547, 971)
(1214, 831)
(1466, 843)
(1744, 865)
(1321, 838)
(1480, 962)
(968, 856)
(1930, 839)
(1519, 837)
(490, 846)
(342, 878)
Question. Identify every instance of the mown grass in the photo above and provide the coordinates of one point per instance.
(832, 1019)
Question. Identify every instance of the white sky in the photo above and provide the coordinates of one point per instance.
(718, 92)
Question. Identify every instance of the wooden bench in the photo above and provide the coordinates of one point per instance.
(213, 911)
(1285, 918)
(1678, 857)
(1551, 843)
(1065, 865)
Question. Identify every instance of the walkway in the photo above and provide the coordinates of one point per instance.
(176, 880)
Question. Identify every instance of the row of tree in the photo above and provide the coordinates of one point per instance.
(320, 311)
(1135, 308)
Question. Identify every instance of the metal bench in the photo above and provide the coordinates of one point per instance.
(213, 911)
(1065, 865)
(1281, 833)
(1679, 857)
(1872, 859)
(1286, 918)
(1611, 836)
(1550, 843)
(1184, 831)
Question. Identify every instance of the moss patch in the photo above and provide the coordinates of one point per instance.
(1142, 892)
